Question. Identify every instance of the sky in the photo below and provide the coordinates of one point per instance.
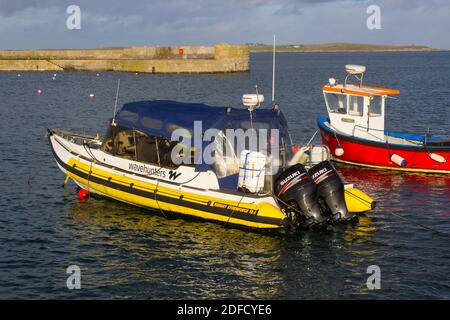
(41, 24)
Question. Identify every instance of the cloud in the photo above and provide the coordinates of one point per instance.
(8, 7)
(407, 5)
(296, 7)
(162, 22)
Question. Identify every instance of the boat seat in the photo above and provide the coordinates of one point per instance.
(146, 150)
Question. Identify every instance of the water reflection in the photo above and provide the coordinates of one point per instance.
(388, 180)
(361, 232)
(167, 257)
(125, 252)
(190, 258)
(195, 259)
(397, 190)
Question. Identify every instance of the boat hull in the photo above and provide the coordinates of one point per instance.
(253, 212)
(374, 154)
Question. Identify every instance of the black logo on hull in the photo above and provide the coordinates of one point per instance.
(173, 175)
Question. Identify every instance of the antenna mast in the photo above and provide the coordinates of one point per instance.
(115, 104)
(273, 72)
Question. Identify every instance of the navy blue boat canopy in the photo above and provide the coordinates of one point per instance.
(161, 117)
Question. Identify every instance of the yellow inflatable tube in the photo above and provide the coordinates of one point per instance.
(357, 201)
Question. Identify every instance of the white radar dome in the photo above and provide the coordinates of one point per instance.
(355, 69)
(252, 100)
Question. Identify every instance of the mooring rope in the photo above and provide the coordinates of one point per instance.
(234, 210)
(88, 180)
(420, 224)
(392, 213)
(159, 207)
(409, 220)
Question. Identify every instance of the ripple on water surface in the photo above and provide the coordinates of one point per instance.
(128, 252)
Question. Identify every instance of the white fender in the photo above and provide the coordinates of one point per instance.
(395, 158)
(437, 157)
(339, 151)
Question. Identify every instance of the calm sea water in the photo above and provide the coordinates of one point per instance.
(127, 252)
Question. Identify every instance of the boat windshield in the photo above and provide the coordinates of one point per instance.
(376, 106)
(355, 105)
(336, 103)
(273, 143)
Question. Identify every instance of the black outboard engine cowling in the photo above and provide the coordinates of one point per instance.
(330, 189)
(295, 188)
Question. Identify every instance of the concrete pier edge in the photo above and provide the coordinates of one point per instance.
(219, 58)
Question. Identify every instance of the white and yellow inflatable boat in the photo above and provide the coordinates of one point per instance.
(134, 163)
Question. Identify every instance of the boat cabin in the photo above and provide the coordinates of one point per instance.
(355, 109)
(145, 132)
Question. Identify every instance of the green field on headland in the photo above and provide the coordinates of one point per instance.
(336, 47)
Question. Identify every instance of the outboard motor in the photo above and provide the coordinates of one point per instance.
(330, 189)
(295, 188)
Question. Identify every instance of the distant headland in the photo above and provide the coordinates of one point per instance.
(336, 47)
(219, 58)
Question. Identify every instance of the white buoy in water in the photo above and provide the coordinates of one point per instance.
(39, 91)
(437, 157)
(98, 74)
(53, 78)
(401, 162)
(18, 75)
(54, 75)
(92, 96)
(339, 151)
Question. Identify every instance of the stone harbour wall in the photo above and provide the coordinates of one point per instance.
(174, 59)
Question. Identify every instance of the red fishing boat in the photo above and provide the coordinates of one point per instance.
(355, 133)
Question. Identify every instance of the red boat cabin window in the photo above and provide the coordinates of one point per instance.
(336, 103)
